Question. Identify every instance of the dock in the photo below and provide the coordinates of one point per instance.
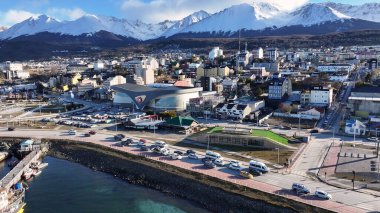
(15, 174)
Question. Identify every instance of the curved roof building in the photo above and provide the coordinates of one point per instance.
(159, 97)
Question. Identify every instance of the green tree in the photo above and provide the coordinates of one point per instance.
(257, 92)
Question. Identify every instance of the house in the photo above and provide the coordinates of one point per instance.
(26, 145)
(182, 123)
(355, 127)
(365, 99)
(278, 87)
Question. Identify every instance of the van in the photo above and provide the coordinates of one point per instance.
(160, 144)
(213, 155)
(256, 165)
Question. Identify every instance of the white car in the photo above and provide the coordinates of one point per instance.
(193, 156)
(234, 162)
(175, 156)
(165, 152)
(72, 132)
(322, 194)
(234, 166)
(219, 162)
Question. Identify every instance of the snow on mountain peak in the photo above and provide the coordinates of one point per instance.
(368, 11)
(314, 14)
(186, 22)
(257, 15)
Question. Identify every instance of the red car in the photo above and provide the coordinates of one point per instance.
(92, 132)
(141, 142)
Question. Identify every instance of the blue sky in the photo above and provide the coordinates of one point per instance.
(14, 11)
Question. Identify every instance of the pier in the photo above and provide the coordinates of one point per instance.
(15, 174)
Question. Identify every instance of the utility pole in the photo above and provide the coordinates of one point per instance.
(278, 155)
(208, 142)
(353, 180)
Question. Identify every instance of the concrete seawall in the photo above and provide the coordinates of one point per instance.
(213, 194)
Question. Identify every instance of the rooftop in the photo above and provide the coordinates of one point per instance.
(367, 89)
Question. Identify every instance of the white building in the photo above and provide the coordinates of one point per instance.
(12, 66)
(318, 96)
(335, 67)
(112, 81)
(355, 127)
(86, 85)
(259, 53)
(145, 70)
(216, 52)
(272, 54)
(98, 66)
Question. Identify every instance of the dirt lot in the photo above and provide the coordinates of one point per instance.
(290, 122)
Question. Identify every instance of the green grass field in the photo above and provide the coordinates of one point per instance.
(257, 133)
(270, 135)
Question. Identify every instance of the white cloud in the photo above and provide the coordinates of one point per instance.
(12, 17)
(65, 13)
(158, 10)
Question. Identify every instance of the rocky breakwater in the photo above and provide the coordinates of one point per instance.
(213, 194)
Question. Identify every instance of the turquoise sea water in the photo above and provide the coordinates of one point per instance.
(65, 187)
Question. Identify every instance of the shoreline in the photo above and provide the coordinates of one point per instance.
(211, 193)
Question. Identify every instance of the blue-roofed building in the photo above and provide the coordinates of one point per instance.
(355, 127)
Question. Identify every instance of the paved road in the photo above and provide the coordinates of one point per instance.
(276, 183)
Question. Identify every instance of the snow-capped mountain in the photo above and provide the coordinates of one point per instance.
(369, 11)
(186, 22)
(256, 16)
(314, 14)
(244, 16)
(87, 24)
(30, 26)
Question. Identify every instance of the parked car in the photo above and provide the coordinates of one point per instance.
(119, 137)
(175, 156)
(92, 132)
(11, 129)
(234, 166)
(87, 135)
(286, 128)
(246, 174)
(179, 152)
(193, 156)
(156, 150)
(300, 188)
(314, 131)
(219, 162)
(144, 148)
(322, 194)
(209, 164)
(72, 132)
(255, 172)
(190, 151)
(141, 142)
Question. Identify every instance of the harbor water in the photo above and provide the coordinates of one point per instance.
(64, 187)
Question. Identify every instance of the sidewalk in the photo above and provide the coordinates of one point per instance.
(327, 171)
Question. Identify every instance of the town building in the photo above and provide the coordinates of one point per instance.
(216, 52)
(318, 96)
(365, 99)
(355, 127)
(159, 97)
(278, 87)
(112, 81)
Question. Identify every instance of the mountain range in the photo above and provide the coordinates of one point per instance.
(256, 18)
